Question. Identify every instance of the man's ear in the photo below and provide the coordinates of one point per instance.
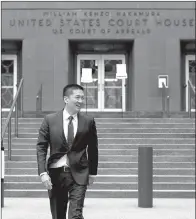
(65, 98)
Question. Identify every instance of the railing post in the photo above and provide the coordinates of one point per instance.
(145, 176)
(39, 102)
(167, 106)
(16, 119)
(86, 99)
(9, 138)
(2, 173)
(37, 106)
(189, 100)
(16, 116)
(21, 100)
(163, 99)
(41, 99)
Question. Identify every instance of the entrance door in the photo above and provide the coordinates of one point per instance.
(105, 93)
(8, 80)
(190, 74)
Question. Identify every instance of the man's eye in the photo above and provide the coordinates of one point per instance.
(82, 98)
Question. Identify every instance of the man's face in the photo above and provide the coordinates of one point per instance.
(74, 101)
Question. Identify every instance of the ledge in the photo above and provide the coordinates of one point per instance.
(128, 114)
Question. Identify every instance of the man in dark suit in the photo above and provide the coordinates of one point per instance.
(73, 160)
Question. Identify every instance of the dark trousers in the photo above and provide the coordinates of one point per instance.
(64, 189)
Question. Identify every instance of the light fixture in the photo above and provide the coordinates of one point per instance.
(86, 75)
(121, 71)
(86, 78)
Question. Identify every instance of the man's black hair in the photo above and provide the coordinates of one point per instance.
(67, 90)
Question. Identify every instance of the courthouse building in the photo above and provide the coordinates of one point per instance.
(49, 43)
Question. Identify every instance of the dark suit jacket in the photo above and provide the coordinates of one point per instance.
(83, 155)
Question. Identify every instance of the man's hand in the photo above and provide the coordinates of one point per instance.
(91, 179)
(45, 178)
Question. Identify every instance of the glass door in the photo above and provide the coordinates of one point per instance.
(113, 94)
(92, 90)
(105, 93)
(8, 80)
(190, 74)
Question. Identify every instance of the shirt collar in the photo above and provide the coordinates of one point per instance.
(66, 115)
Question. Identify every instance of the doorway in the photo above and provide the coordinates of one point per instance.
(105, 93)
(190, 74)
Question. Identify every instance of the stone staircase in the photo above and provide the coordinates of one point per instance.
(172, 139)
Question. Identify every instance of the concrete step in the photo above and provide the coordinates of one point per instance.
(105, 186)
(129, 158)
(134, 186)
(116, 158)
(125, 140)
(117, 125)
(106, 193)
(126, 135)
(156, 152)
(109, 119)
(119, 130)
(134, 194)
(23, 145)
(127, 114)
(146, 120)
(154, 146)
(186, 152)
(147, 135)
(146, 140)
(111, 178)
(33, 164)
(111, 171)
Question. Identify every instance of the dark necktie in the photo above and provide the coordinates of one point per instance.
(70, 134)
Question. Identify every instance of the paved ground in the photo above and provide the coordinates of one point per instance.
(33, 208)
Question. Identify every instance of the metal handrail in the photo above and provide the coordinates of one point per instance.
(190, 87)
(8, 125)
(39, 102)
(8, 120)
